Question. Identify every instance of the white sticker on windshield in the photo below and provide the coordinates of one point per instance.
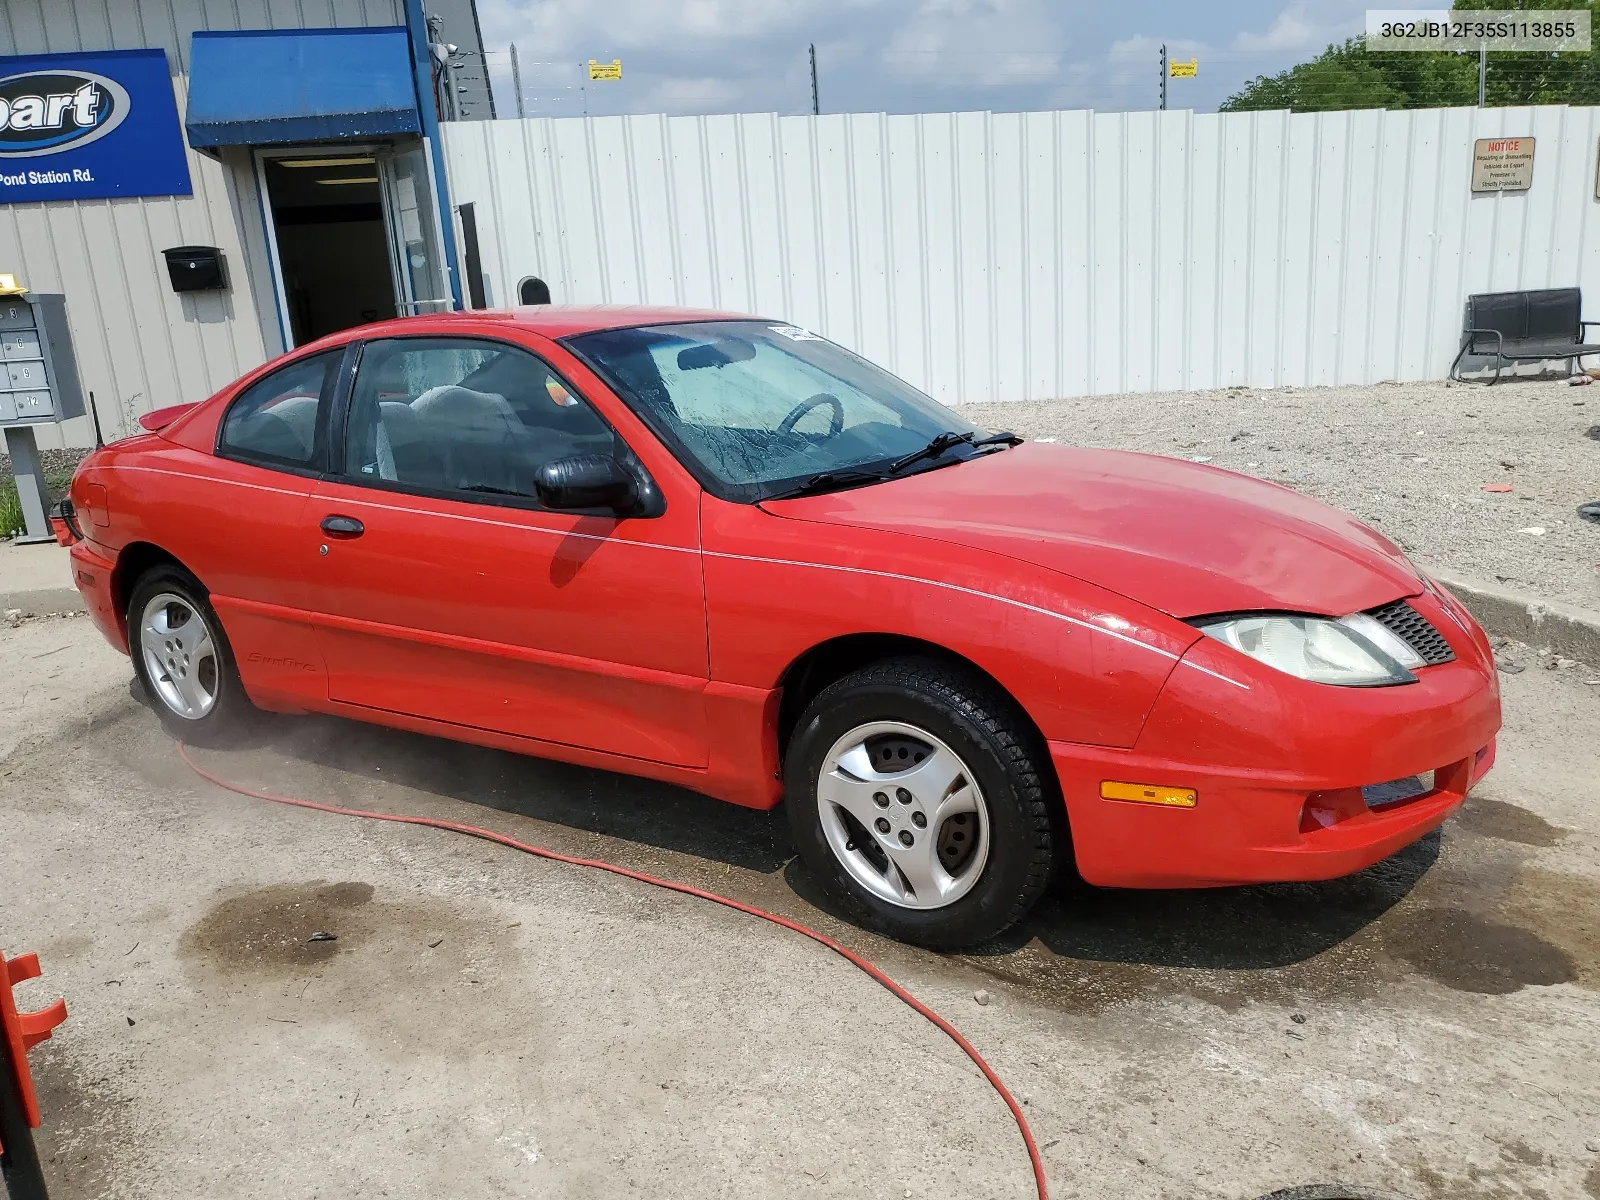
(795, 334)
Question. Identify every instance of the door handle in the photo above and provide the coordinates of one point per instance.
(336, 526)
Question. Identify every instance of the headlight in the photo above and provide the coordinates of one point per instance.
(1355, 651)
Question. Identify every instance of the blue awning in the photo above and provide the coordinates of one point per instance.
(269, 87)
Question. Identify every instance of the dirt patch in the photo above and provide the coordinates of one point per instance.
(90, 1143)
(1518, 1173)
(1467, 911)
(1517, 1150)
(1507, 822)
(255, 951)
(276, 928)
(1469, 953)
(1566, 910)
(71, 945)
(1085, 950)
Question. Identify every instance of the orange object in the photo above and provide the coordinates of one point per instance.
(23, 1031)
(1145, 793)
(1497, 487)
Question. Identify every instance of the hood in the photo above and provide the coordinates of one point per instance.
(1177, 536)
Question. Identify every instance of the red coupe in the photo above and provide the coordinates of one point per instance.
(729, 554)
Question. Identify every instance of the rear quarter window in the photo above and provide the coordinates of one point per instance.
(281, 420)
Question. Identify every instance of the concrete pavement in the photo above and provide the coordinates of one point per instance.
(37, 579)
(490, 1025)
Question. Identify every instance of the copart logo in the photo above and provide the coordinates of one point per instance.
(46, 112)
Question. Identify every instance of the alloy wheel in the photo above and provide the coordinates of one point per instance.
(180, 655)
(903, 814)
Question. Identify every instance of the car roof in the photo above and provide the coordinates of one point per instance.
(551, 320)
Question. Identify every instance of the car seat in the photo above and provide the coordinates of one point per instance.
(485, 446)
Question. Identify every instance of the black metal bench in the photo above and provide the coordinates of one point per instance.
(1525, 327)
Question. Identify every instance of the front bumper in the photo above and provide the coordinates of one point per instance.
(1278, 765)
(1243, 829)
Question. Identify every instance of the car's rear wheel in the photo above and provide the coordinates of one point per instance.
(919, 796)
(182, 657)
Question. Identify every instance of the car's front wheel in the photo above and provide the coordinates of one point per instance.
(919, 795)
(182, 657)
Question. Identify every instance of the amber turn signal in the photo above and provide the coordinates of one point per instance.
(1149, 793)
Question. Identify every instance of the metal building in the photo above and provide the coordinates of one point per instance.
(209, 185)
(456, 23)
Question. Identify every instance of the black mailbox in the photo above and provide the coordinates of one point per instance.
(195, 268)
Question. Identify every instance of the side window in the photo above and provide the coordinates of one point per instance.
(276, 420)
(460, 415)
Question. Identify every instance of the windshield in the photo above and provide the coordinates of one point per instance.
(754, 406)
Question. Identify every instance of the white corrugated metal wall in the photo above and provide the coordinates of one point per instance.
(1006, 257)
(139, 344)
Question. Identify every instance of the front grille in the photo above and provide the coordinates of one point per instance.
(1415, 630)
(1397, 790)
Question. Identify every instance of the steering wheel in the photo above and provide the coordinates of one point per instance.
(835, 421)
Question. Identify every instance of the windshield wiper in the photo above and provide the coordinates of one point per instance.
(1006, 438)
(828, 481)
(946, 441)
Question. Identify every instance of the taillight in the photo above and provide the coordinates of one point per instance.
(64, 522)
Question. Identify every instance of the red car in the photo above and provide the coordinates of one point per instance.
(726, 553)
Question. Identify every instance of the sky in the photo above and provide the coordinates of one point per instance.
(718, 56)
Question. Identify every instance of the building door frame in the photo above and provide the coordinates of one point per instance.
(400, 214)
(413, 220)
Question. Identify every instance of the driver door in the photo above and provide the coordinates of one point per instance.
(449, 593)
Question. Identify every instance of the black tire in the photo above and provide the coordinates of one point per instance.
(230, 711)
(993, 738)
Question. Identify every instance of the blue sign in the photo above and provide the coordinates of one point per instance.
(88, 126)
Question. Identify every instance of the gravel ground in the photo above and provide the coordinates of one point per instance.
(54, 461)
(1412, 459)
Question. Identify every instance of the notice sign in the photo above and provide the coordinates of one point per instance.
(610, 70)
(87, 126)
(1502, 164)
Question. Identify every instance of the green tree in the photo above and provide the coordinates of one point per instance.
(1347, 76)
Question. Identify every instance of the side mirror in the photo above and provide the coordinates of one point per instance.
(587, 481)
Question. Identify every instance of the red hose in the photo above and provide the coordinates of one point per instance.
(849, 955)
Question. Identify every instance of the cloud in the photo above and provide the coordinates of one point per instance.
(695, 56)
(981, 43)
(635, 24)
(1296, 29)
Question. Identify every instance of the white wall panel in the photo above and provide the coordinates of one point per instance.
(140, 345)
(1017, 256)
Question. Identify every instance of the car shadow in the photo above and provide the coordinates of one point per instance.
(621, 806)
(1235, 928)
(1253, 927)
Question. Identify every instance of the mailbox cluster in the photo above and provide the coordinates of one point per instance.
(40, 384)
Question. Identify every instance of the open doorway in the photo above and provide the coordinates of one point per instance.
(326, 214)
